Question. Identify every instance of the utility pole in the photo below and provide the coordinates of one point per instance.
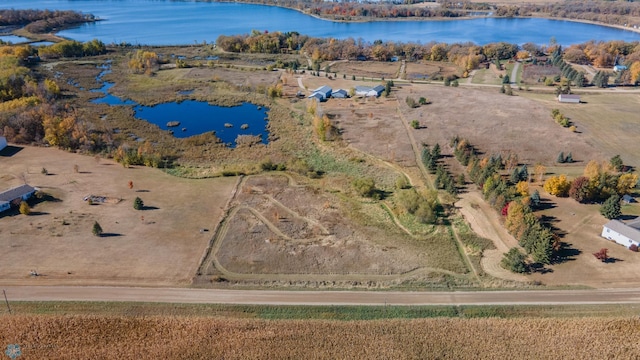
(6, 301)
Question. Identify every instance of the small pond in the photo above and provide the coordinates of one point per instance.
(190, 117)
(13, 39)
(198, 117)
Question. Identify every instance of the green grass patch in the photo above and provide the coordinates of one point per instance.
(345, 313)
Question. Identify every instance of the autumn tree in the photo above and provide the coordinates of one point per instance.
(522, 188)
(557, 185)
(626, 183)
(540, 170)
(580, 190)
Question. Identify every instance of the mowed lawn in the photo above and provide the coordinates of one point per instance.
(610, 122)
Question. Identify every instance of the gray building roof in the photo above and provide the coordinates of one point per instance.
(630, 230)
(378, 88)
(323, 89)
(16, 192)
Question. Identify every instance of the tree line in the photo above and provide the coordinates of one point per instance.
(42, 21)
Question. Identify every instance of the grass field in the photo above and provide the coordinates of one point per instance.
(608, 121)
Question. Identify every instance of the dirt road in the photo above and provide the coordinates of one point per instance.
(274, 297)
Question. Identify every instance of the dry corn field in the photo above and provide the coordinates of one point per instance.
(116, 337)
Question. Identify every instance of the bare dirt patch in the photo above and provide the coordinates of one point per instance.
(429, 70)
(275, 228)
(161, 245)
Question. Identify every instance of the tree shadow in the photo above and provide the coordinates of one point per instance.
(546, 204)
(627, 217)
(84, 172)
(145, 208)
(142, 191)
(612, 260)
(566, 253)
(10, 150)
(38, 213)
(110, 235)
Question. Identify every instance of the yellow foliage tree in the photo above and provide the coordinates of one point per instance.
(626, 182)
(522, 188)
(515, 217)
(593, 169)
(557, 185)
(634, 71)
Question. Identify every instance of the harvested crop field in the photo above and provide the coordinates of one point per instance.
(64, 337)
(428, 70)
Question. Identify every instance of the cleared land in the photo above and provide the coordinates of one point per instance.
(160, 245)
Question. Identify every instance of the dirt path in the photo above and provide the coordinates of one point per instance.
(514, 74)
(274, 297)
(484, 222)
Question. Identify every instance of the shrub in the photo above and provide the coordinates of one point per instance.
(364, 187)
(611, 207)
(633, 247)
(24, 208)
(415, 124)
(514, 261)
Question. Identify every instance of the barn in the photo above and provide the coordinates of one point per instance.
(566, 98)
(624, 234)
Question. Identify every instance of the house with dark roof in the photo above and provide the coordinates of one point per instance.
(15, 195)
(626, 234)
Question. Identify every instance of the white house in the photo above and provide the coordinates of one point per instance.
(624, 234)
(565, 98)
(3, 142)
(16, 194)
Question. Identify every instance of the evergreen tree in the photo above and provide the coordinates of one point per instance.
(97, 229)
(514, 261)
(611, 207)
(569, 158)
(535, 199)
(560, 158)
(435, 152)
(505, 79)
(523, 174)
(138, 204)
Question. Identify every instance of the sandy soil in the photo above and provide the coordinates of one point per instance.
(161, 245)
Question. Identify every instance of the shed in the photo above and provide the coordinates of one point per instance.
(566, 98)
(628, 199)
(618, 68)
(3, 142)
(624, 234)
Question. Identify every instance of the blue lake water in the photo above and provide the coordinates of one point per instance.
(198, 117)
(195, 117)
(13, 39)
(161, 22)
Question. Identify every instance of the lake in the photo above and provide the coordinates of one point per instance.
(158, 22)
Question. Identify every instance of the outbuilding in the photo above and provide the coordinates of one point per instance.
(3, 142)
(566, 98)
(340, 94)
(15, 195)
(624, 234)
(324, 90)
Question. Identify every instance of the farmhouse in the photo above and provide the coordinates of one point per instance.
(3, 142)
(624, 234)
(15, 195)
(564, 98)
